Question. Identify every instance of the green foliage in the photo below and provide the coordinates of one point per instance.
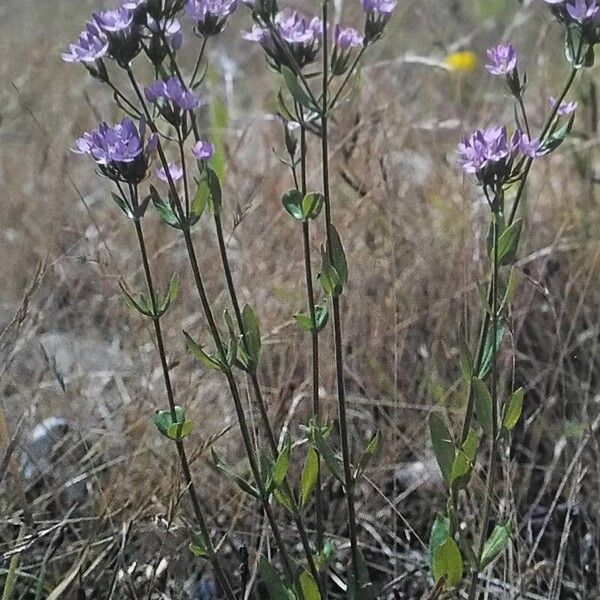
(443, 445)
(296, 90)
(495, 544)
(483, 404)
(513, 409)
(308, 586)
(174, 429)
(309, 476)
(275, 586)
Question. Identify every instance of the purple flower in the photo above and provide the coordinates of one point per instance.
(122, 32)
(582, 11)
(528, 147)
(565, 108)
(503, 59)
(302, 35)
(579, 11)
(175, 172)
(171, 97)
(91, 45)
(491, 156)
(203, 150)
(379, 13)
(210, 16)
(380, 7)
(112, 21)
(483, 147)
(120, 151)
(345, 38)
(166, 28)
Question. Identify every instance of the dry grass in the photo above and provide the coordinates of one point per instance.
(413, 231)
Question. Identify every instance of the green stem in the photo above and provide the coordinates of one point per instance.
(262, 407)
(198, 61)
(337, 321)
(216, 337)
(314, 334)
(347, 78)
(241, 417)
(494, 441)
(513, 213)
(198, 512)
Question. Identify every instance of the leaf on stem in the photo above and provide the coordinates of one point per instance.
(443, 445)
(513, 409)
(483, 405)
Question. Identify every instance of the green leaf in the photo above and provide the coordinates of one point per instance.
(488, 350)
(292, 202)
(447, 563)
(466, 361)
(180, 431)
(208, 361)
(284, 500)
(443, 446)
(304, 321)
(297, 92)
(557, 137)
(513, 409)
(309, 476)
(198, 545)
(138, 306)
(508, 243)
(495, 544)
(251, 334)
(280, 467)
(276, 589)
(201, 198)
(324, 449)
(123, 205)
(483, 404)
(171, 294)
(312, 204)
(338, 258)
(309, 587)
(464, 460)
(329, 278)
(321, 316)
(164, 209)
(440, 532)
(214, 186)
(174, 430)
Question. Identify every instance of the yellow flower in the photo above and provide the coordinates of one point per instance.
(463, 60)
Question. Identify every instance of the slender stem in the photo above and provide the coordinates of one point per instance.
(253, 375)
(216, 337)
(314, 334)
(347, 78)
(494, 441)
(524, 113)
(516, 203)
(198, 512)
(186, 192)
(337, 321)
(241, 417)
(198, 61)
(262, 407)
(122, 97)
